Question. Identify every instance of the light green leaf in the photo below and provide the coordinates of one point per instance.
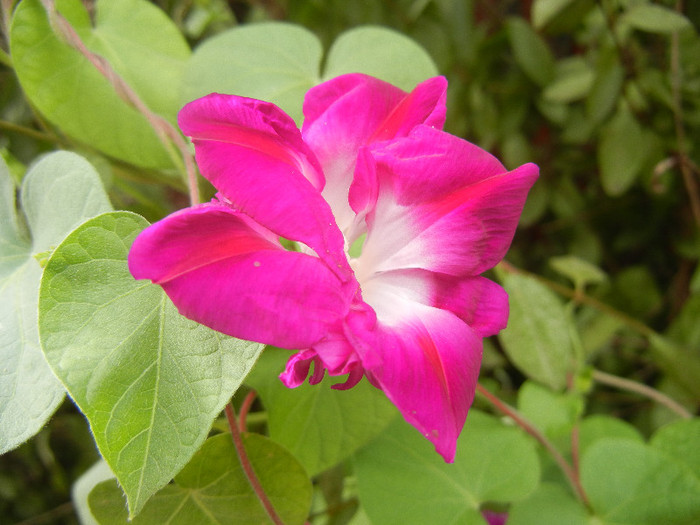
(622, 151)
(57, 194)
(601, 426)
(549, 505)
(320, 426)
(580, 271)
(279, 62)
(149, 381)
(628, 482)
(680, 440)
(276, 62)
(655, 18)
(544, 11)
(553, 413)
(574, 78)
(141, 44)
(382, 53)
(402, 480)
(537, 338)
(530, 51)
(213, 489)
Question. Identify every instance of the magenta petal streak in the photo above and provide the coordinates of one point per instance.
(410, 312)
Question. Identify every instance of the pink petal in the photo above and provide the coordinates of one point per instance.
(252, 152)
(477, 301)
(334, 353)
(351, 111)
(430, 365)
(452, 211)
(224, 272)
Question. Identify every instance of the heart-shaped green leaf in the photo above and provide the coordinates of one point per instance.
(402, 480)
(149, 380)
(628, 482)
(275, 62)
(382, 53)
(57, 194)
(213, 489)
(138, 40)
(279, 62)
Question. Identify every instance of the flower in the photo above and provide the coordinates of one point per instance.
(371, 162)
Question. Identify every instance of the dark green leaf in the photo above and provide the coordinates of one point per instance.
(544, 11)
(622, 151)
(530, 51)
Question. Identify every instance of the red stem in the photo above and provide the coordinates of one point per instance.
(245, 408)
(248, 467)
(528, 427)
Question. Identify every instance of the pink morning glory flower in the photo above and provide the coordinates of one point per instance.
(372, 163)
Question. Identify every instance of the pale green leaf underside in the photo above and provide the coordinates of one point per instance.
(58, 193)
(149, 381)
(213, 489)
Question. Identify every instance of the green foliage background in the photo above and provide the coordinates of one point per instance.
(603, 277)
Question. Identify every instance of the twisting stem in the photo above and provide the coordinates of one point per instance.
(165, 132)
(569, 472)
(639, 388)
(248, 467)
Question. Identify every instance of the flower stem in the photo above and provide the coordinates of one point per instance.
(248, 467)
(639, 388)
(522, 422)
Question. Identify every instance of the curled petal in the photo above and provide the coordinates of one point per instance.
(453, 211)
(252, 152)
(298, 367)
(222, 272)
(351, 111)
(334, 354)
